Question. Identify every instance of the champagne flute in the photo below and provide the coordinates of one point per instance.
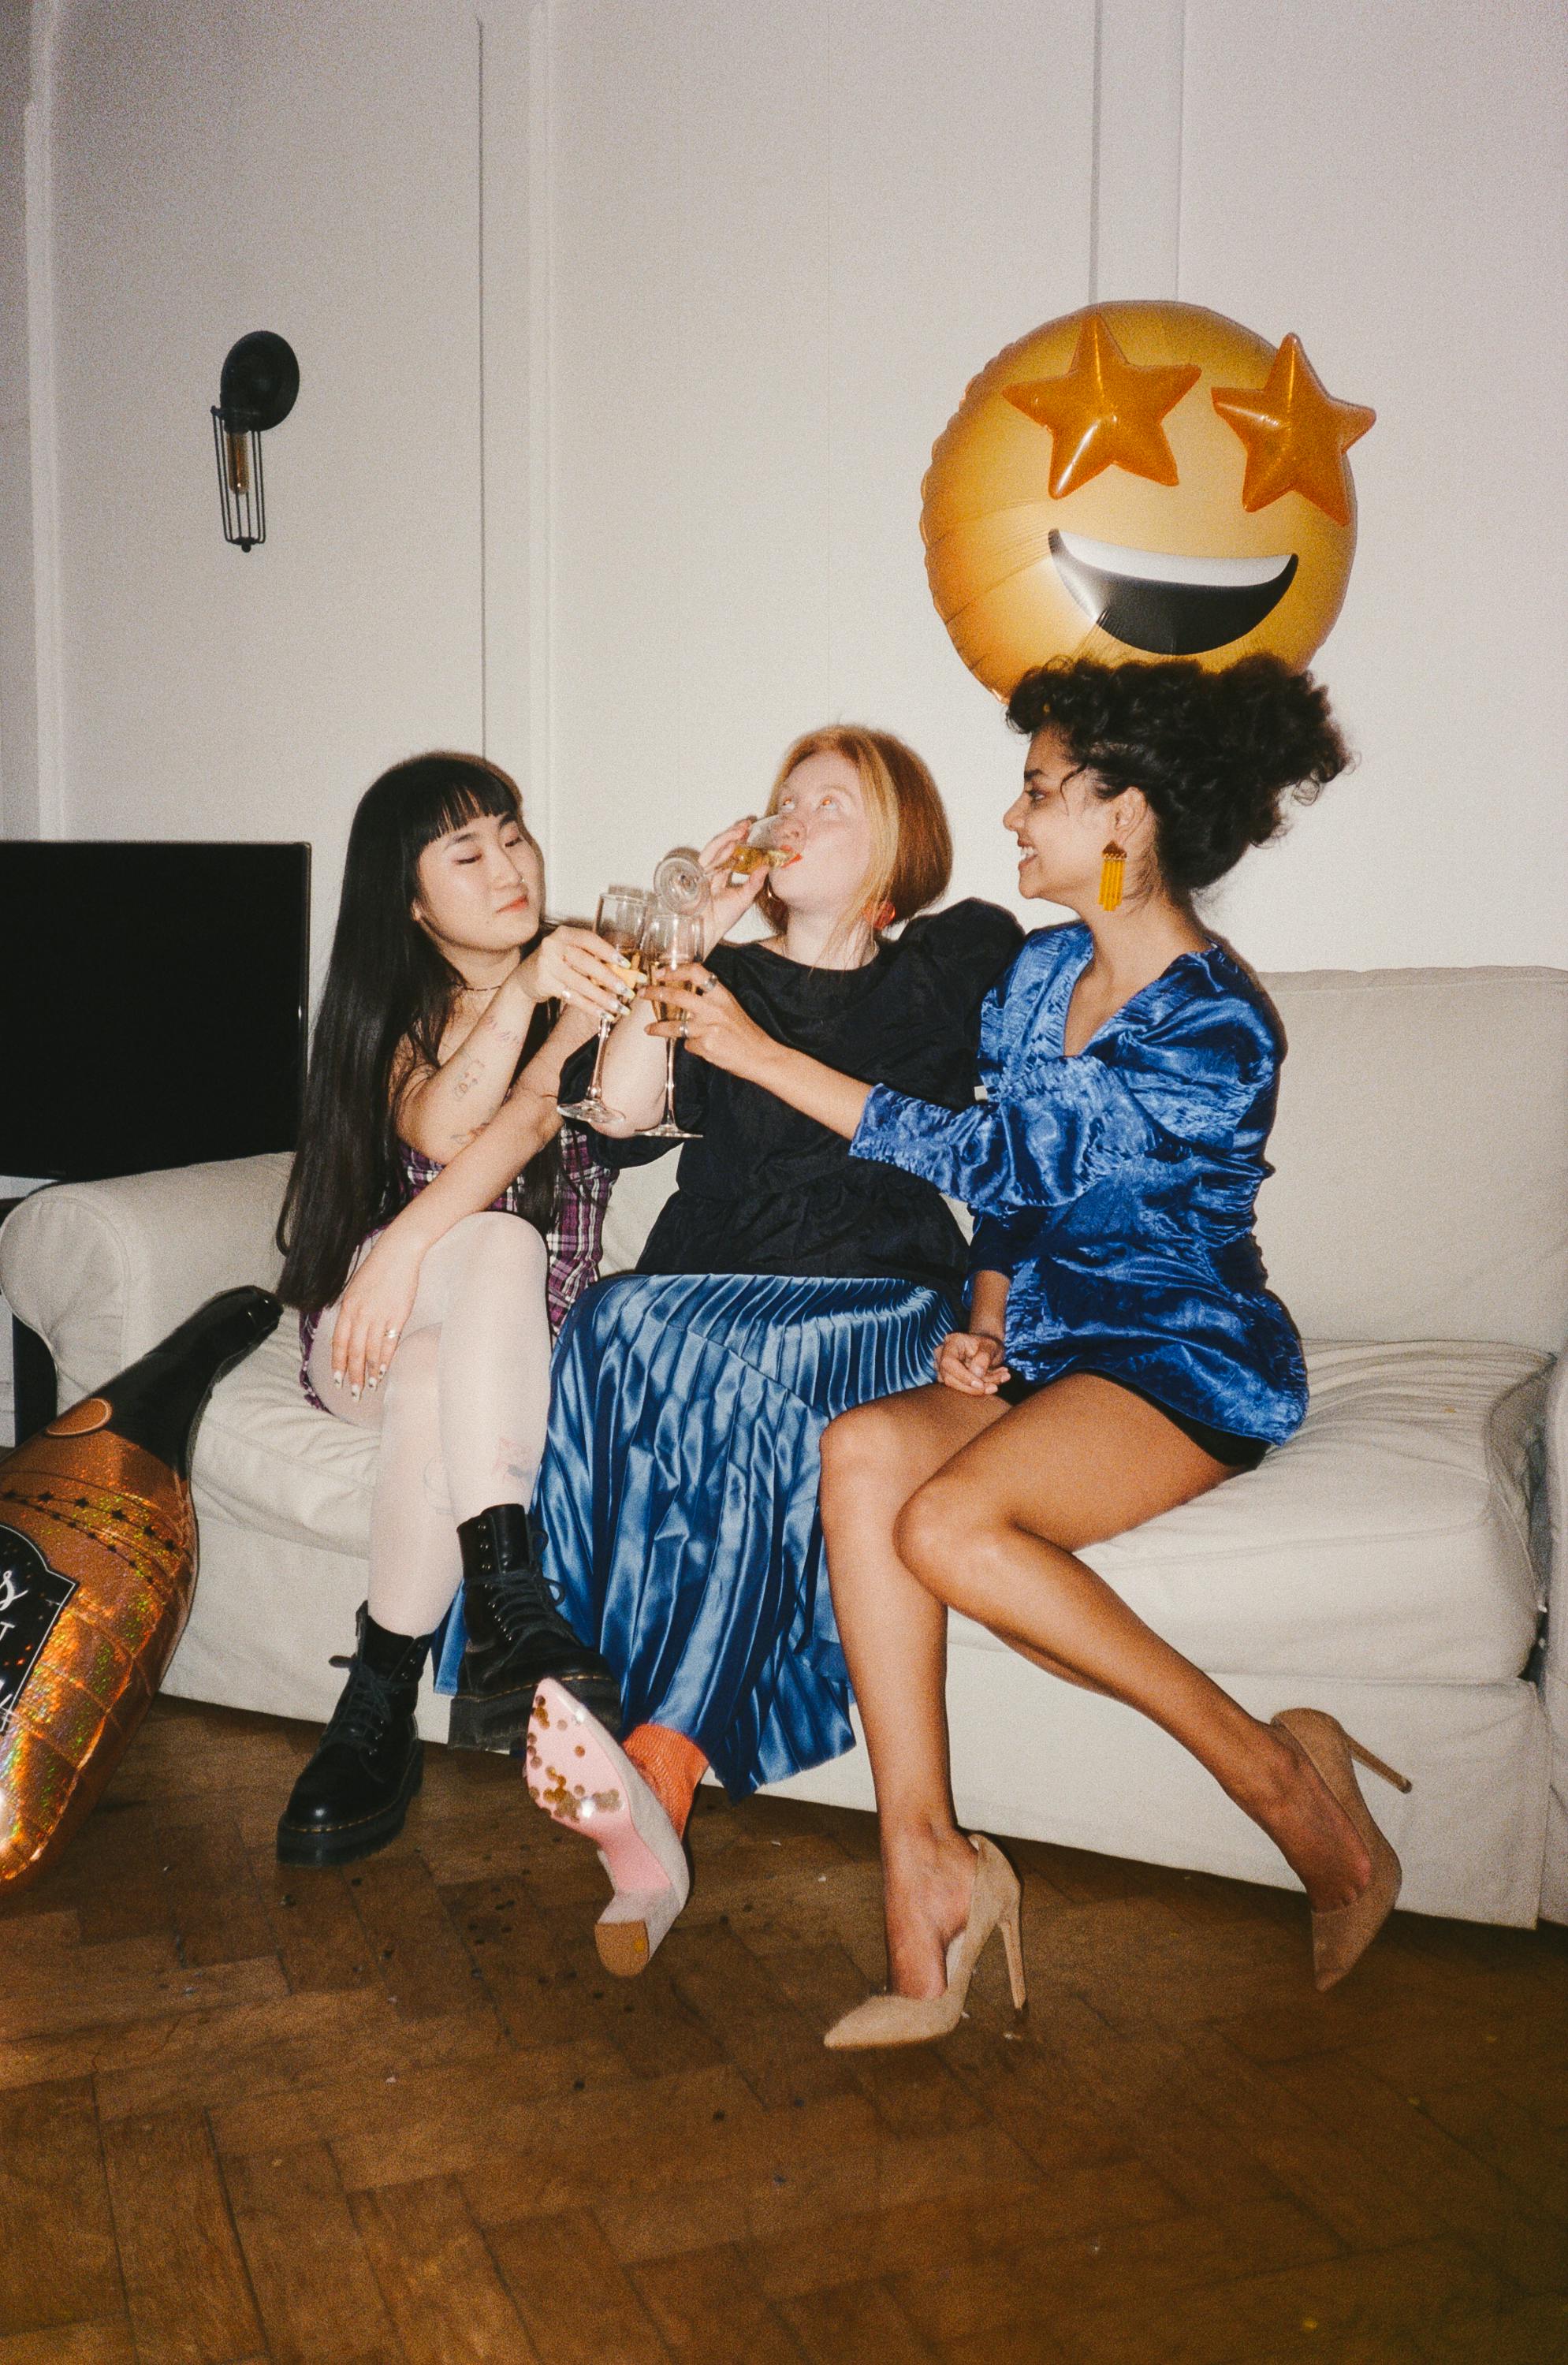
(622, 912)
(670, 941)
(763, 843)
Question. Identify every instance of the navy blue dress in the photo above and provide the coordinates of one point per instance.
(783, 1284)
(1116, 1186)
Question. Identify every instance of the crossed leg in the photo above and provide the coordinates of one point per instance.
(934, 1500)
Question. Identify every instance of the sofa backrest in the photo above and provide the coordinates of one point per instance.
(1421, 1155)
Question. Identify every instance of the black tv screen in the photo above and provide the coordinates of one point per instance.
(157, 1004)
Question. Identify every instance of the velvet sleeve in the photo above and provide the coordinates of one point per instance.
(1202, 1077)
(997, 1244)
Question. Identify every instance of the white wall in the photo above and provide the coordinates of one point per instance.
(740, 258)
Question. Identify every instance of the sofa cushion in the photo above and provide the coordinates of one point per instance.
(267, 1459)
(1387, 1542)
(1419, 1154)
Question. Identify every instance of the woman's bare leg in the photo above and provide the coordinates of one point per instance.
(894, 1631)
(991, 1529)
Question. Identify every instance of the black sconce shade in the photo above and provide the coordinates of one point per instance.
(257, 390)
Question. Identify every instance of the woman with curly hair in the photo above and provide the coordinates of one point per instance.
(1122, 1353)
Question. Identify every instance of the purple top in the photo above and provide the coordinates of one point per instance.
(575, 1240)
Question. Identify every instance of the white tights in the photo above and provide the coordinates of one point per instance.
(461, 1412)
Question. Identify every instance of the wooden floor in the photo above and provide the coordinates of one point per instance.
(402, 2114)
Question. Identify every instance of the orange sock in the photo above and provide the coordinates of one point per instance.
(671, 1766)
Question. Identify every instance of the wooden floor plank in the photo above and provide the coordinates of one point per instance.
(318, 1937)
(440, 2282)
(577, 2304)
(57, 2261)
(318, 2297)
(855, 2323)
(1418, 2158)
(1138, 2273)
(422, 1962)
(215, 1904)
(109, 2343)
(186, 2283)
(710, 2313)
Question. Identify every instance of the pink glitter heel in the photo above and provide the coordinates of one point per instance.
(578, 1777)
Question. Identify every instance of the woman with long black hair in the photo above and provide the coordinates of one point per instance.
(427, 1307)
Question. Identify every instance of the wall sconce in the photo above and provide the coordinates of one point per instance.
(260, 381)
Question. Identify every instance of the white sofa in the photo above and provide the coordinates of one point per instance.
(1390, 1565)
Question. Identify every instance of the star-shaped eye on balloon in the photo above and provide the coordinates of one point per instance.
(1105, 412)
(1297, 435)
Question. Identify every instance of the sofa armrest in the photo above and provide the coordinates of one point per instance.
(102, 1271)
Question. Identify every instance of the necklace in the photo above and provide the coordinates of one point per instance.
(497, 985)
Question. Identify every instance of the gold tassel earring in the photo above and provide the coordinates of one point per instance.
(1113, 870)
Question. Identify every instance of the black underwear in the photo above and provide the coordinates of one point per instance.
(1219, 1444)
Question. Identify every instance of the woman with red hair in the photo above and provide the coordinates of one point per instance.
(783, 1283)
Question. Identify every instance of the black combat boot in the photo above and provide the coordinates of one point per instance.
(517, 1636)
(354, 1795)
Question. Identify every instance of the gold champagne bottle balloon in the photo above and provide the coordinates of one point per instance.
(97, 1567)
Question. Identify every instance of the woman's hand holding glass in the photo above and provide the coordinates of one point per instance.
(704, 1015)
(731, 894)
(578, 965)
(623, 913)
(671, 943)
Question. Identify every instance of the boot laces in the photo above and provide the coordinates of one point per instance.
(367, 1709)
(524, 1599)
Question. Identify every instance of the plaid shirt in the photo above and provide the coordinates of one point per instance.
(575, 1240)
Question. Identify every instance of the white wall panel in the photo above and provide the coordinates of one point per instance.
(1389, 181)
(688, 418)
(961, 157)
(316, 172)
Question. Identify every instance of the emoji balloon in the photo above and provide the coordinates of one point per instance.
(1140, 480)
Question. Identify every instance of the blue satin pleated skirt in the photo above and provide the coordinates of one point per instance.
(678, 1496)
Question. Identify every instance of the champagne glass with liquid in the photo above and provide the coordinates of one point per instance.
(670, 941)
(763, 843)
(623, 912)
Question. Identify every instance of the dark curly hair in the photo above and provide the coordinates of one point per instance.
(1215, 754)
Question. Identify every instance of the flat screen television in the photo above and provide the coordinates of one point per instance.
(156, 1003)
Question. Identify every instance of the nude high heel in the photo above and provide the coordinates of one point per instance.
(915, 2020)
(1339, 1939)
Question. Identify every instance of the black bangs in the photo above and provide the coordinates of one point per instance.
(437, 794)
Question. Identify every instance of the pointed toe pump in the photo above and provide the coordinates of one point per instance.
(915, 2020)
(1340, 1938)
(577, 1776)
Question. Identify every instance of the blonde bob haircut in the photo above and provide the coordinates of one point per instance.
(911, 846)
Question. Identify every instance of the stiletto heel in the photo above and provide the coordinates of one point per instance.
(915, 2020)
(1375, 1764)
(1013, 1943)
(1340, 1938)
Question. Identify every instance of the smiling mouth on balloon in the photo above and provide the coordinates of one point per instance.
(1170, 606)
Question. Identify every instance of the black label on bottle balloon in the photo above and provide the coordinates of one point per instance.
(32, 1596)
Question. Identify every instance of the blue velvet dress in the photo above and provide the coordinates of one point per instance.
(783, 1284)
(1116, 1186)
